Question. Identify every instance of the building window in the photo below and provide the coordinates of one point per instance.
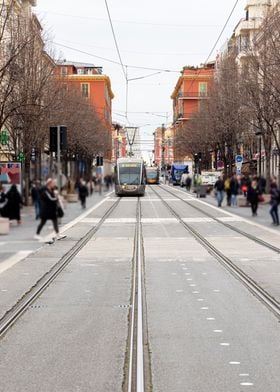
(203, 89)
(64, 71)
(80, 71)
(85, 90)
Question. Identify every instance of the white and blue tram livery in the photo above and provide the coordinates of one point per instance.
(130, 177)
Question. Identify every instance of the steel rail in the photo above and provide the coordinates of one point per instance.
(272, 304)
(239, 231)
(12, 315)
(136, 379)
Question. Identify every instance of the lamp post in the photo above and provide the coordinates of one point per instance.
(258, 133)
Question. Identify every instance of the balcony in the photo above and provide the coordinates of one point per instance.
(193, 95)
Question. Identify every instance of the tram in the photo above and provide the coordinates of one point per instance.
(130, 177)
(152, 175)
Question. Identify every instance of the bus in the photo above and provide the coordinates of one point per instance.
(130, 177)
(152, 174)
(177, 172)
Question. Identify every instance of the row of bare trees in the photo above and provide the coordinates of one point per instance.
(33, 97)
(244, 101)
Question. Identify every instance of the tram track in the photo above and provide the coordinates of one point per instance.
(239, 231)
(12, 315)
(138, 376)
(271, 303)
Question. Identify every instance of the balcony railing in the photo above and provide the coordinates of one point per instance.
(193, 95)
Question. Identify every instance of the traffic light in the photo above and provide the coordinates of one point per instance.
(99, 161)
(53, 138)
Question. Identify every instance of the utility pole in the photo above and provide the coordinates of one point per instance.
(58, 160)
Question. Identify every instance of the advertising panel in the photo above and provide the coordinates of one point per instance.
(10, 173)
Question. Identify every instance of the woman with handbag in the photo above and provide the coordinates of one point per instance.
(254, 196)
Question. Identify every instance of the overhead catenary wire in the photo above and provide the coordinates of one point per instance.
(115, 40)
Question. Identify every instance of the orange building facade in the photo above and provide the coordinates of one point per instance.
(163, 147)
(191, 88)
(94, 86)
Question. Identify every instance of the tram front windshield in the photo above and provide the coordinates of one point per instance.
(152, 175)
(129, 173)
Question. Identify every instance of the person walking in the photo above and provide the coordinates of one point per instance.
(253, 195)
(219, 188)
(188, 183)
(35, 195)
(83, 193)
(274, 201)
(3, 199)
(183, 181)
(49, 203)
(234, 189)
(14, 203)
(228, 191)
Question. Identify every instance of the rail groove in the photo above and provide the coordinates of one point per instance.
(271, 303)
(136, 376)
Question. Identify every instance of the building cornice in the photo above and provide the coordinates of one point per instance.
(91, 78)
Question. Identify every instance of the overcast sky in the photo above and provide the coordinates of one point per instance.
(150, 33)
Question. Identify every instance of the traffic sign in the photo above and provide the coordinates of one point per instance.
(239, 158)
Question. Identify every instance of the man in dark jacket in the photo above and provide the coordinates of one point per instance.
(83, 193)
(219, 189)
(48, 203)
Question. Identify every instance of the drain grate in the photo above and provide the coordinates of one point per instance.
(124, 306)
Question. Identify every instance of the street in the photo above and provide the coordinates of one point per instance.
(204, 327)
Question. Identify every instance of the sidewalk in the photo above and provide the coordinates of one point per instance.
(263, 217)
(19, 243)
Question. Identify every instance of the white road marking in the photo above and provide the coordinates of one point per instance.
(4, 291)
(218, 331)
(231, 219)
(216, 291)
(187, 273)
(189, 279)
(158, 220)
(246, 384)
(14, 259)
(195, 292)
(210, 319)
(120, 220)
(244, 374)
(91, 220)
(179, 291)
(204, 308)
(197, 220)
(200, 299)
(192, 285)
(2, 243)
(234, 363)
(224, 344)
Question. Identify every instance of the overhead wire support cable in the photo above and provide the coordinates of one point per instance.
(216, 42)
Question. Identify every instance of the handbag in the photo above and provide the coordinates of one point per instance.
(59, 212)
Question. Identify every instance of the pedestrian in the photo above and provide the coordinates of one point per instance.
(219, 189)
(14, 203)
(183, 180)
(83, 193)
(228, 191)
(188, 183)
(253, 195)
(49, 204)
(35, 195)
(3, 198)
(234, 190)
(274, 201)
